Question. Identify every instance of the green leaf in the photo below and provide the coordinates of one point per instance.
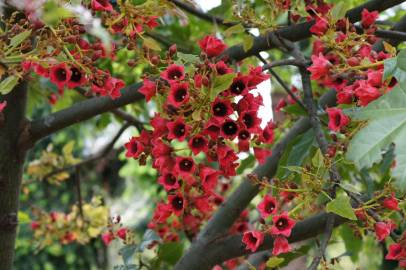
(53, 13)
(23, 218)
(170, 252)
(401, 60)
(68, 148)
(338, 11)
(274, 262)
(151, 44)
(387, 124)
(188, 58)
(220, 84)
(353, 245)
(248, 42)
(128, 252)
(235, 29)
(18, 39)
(246, 163)
(342, 207)
(8, 84)
(389, 67)
(294, 109)
(303, 250)
(318, 159)
(296, 169)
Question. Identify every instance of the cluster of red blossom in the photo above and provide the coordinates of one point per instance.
(79, 68)
(218, 126)
(115, 230)
(360, 80)
(281, 227)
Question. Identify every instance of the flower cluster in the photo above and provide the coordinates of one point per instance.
(280, 228)
(208, 113)
(80, 225)
(115, 230)
(397, 252)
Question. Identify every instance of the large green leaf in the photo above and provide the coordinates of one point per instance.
(342, 207)
(387, 124)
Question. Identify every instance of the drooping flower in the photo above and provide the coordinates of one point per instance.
(185, 166)
(198, 143)
(368, 18)
(383, 229)
(395, 252)
(268, 206)
(261, 154)
(239, 86)
(282, 225)
(134, 148)
(107, 238)
(222, 68)
(212, 46)
(122, 233)
(101, 5)
(209, 178)
(320, 67)
(280, 246)
(391, 203)
(250, 120)
(267, 134)
(169, 181)
(229, 129)
(337, 119)
(148, 89)
(77, 78)
(221, 108)
(366, 93)
(244, 140)
(320, 27)
(252, 240)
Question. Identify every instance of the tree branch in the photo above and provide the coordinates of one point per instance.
(81, 111)
(399, 26)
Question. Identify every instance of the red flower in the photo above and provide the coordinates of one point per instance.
(177, 202)
(107, 238)
(229, 129)
(346, 95)
(267, 134)
(261, 154)
(203, 205)
(159, 125)
(185, 166)
(268, 206)
(169, 181)
(256, 76)
(250, 120)
(35, 225)
(122, 233)
(281, 245)
(383, 229)
(281, 104)
(197, 144)
(244, 140)
(239, 86)
(101, 5)
(249, 103)
(366, 93)
(391, 203)
(173, 73)
(252, 240)
(337, 119)
(179, 94)
(60, 74)
(320, 27)
(282, 225)
(3, 105)
(178, 129)
(162, 212)
(209, 178)
(221, 108)
(77, 78)
(113, 87)
(396, 252)
(320, 67)
(134, 148)
(148, 89)
(212, 46)
(222, 68)
(375, 78)
(368, 18)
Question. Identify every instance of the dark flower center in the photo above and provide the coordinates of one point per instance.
(197, 142)
(174, 74)
(237, 87)
(170, 179)
(177, 203)
(186, 165)
(134, 147)
(220, 109)
(221, 70)
(337, 119)
(179, 130)
(76, 75)
(282, 223)
(248, 120)
(61, 74)
(269, 207)
(243, 135)
(252, 239)
(230, 128)
(180, 94)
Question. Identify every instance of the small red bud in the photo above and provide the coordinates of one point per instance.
(155, 60)
(172, 50)
(353, 61)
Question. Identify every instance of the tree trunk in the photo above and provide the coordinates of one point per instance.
(12, 156)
